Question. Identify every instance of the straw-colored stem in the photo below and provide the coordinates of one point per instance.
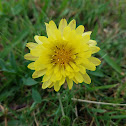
(95, 102)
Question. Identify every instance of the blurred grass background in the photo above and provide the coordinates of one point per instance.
(23, 102)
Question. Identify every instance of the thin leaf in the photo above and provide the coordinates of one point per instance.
(98, 110)
(4, 67)
(101, 87)
(118, 117)
(13, 61)
(97, 73)
(29, 81)
(110, 61)
(36, 96)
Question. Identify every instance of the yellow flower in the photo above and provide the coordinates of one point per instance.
(64, 55)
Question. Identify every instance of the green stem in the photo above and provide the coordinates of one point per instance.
(61, 105)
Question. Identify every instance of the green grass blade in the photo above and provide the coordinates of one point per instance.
(111, 62)
(102, 87)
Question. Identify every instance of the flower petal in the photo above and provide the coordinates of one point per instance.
(79, 77)
(89, 65)
(92, 42)
(95, 61)
(61, 82)
(37, 51)
(31, 66)
(86, 37)
(82, 69)
(28, 56)
(53, 78)
(74, 66)
(39, 73)
(72, 24)
(80, 29)
(41, 39)
(39, 65)
(51, 85)
(85, 54)
(52, 25)
(62, 25)
(37, 39)
(46, 78)
(63, 71)
(75, 80)
(57, 34)
(31, 45)
(66, 32)
(58, 75)
(86, 78)
(56, 86)
(69, 82)
(50, 28)
(68, 68)
(87, 33)
(94, 49)
(46, 84)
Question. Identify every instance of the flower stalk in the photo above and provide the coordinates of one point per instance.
(61, 105)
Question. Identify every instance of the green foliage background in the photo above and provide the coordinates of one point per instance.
(23, 102)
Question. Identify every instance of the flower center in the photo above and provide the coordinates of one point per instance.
(62, 55)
